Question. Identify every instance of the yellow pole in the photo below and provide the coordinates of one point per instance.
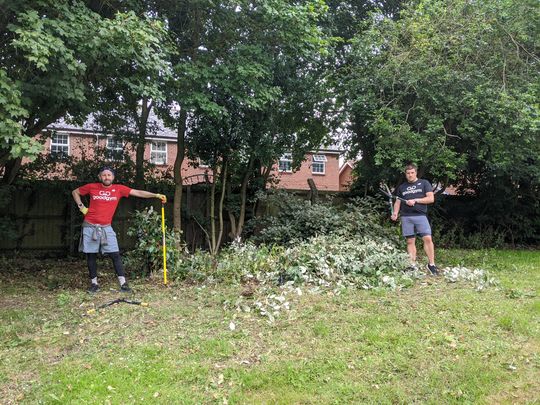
(164, 245)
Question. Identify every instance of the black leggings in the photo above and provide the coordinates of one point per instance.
(91, 260)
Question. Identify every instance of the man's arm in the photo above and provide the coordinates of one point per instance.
(77, 197)
(147, 194)
(428, 199)
(397, 206)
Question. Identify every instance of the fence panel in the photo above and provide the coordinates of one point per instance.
(48, 221)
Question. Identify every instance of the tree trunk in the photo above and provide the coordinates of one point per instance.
(213, 250)
(11, 168)
(180, 143)
(221, 200)
(142, 124)
(243, 198)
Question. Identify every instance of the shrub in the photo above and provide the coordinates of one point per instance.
(453, 235)
(293, 219)
(147, 255)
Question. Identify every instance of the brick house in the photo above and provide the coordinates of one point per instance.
(321, 165)
(346, 176)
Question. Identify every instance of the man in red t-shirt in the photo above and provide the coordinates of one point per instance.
(97, 234)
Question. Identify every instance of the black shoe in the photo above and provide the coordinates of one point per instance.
(94, 288)
(433, 269)
(125, 288)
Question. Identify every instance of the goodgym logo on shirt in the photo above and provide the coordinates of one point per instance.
(413, 189)
(105, 195)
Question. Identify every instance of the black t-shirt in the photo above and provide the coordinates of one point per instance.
(410, 191)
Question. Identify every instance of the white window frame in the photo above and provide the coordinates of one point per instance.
(318, 160)
(158, 156)
(57, 145)
(285, 158)
(117, 149)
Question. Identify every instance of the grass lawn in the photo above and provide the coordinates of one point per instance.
(433, 343)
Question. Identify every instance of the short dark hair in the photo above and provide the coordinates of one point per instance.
(107, 168)
(411, 166)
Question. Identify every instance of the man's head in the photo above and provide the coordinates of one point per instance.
(106, 175)
(411, 172)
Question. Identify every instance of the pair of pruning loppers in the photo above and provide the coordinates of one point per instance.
(391, 197)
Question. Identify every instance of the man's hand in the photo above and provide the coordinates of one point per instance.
(411, 203)
(394, 216)
(162, 197)
(84, 210)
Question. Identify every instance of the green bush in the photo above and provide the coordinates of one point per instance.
(147, 256)
(292, 218)
(453, 235)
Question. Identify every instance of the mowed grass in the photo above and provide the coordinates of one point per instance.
(433, 343)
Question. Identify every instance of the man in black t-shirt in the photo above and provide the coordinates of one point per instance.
(417, 193)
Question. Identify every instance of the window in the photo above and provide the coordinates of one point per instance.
(115, 149)
(60, 145)
(285, 163)
(318, 164)
(158, 153)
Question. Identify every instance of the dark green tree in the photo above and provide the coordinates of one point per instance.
(56, 57)
(226, 70)
(453, 85)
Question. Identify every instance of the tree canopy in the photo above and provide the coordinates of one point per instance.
(449, 84)
(453, 86)
(56, 57)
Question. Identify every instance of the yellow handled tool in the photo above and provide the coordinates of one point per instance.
(164, 244)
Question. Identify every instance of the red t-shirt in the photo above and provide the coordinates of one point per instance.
(103, 201)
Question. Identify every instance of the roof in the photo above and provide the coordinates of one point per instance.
(347, 163)
(156, 127)
(156, 130)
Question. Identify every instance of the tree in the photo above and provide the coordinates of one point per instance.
(268, 100)
(225, 64)
(56, 57)
(452, 85)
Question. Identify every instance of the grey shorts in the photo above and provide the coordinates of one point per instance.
(415, 225)
(89, 245)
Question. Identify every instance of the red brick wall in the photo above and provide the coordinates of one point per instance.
(345, 178)
(329, 181)
(80, 144)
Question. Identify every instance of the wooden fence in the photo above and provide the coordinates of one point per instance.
(48, 221)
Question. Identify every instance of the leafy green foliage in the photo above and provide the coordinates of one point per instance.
(11, 114)
(315, 244)
(452, 85)
(292, 218)
(319, 261)
(147, 255)
(248, 74)
(57, 56)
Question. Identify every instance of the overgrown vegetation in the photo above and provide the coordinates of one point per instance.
(452, 86)
(292, 218)
(304, 243)
(146, 256)
(435, 342)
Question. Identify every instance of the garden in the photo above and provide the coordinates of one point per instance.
(300, 294)
(321, 314)
(439, 340)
